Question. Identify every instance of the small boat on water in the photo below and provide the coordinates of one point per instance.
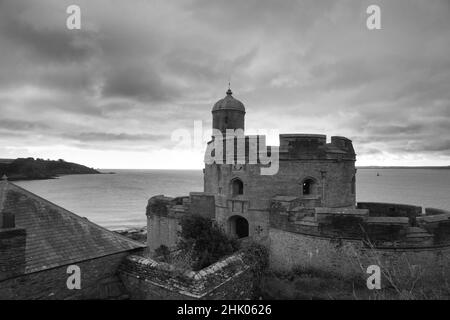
(378, 174)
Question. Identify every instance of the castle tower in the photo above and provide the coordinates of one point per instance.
(228, 113)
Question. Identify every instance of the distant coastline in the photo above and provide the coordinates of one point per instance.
(40, 169)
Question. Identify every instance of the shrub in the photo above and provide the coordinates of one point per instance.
(404, 277)
(183, 260)
(162, 253)
(157, 206)
(257, 257)
(206, 240)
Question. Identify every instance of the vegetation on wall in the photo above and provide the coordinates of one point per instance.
(158, 206)
(205, 240)
(302, 283)
(163, 253)
(406, 278)
(257, 257)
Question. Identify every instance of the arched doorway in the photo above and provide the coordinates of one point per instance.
(238, 227)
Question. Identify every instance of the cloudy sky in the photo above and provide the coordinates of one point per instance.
(113, 94)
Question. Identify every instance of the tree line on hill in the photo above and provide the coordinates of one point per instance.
(35, 169)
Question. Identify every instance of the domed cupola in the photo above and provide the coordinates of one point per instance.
(228, 113)
(229, 103)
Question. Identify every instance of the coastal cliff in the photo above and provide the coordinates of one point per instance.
(35, 169)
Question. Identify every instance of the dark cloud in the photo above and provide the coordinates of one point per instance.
(139, 82)
(440, 146)
(21, 125)
(117, 137)
(139, 70)
(41, 42)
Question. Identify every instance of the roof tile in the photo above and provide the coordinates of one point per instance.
(56, 236)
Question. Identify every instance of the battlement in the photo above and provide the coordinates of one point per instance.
(383, 225)
(292, 147)
(315, 146)
(342, 143)
(305, 141)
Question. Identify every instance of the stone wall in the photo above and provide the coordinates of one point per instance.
(383, 224)
(258, 221)
(379, 209)
(202, 204)
(333, 181)
(148, 279)
(163, 220)
(437, 223)
(345, 241)
(330, 165)
(333, 189)
(434, 211)
(348, 258)
(162, 231)
(99, 280)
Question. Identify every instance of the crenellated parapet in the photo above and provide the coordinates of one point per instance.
(246, 148)
(315, 147)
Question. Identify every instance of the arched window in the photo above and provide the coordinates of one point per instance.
(308, 186)
(237, 187)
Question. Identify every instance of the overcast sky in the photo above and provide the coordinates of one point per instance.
(112, 94)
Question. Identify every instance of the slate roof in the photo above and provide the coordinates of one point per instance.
(56, 236)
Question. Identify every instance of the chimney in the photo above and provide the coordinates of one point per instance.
(12, 239)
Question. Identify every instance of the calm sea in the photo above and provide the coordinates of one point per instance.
(118, 201)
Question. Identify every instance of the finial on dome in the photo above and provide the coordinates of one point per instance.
(229, 92)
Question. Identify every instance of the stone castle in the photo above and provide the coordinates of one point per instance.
(306, 213)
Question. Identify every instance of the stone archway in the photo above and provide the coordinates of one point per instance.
(238, 227)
